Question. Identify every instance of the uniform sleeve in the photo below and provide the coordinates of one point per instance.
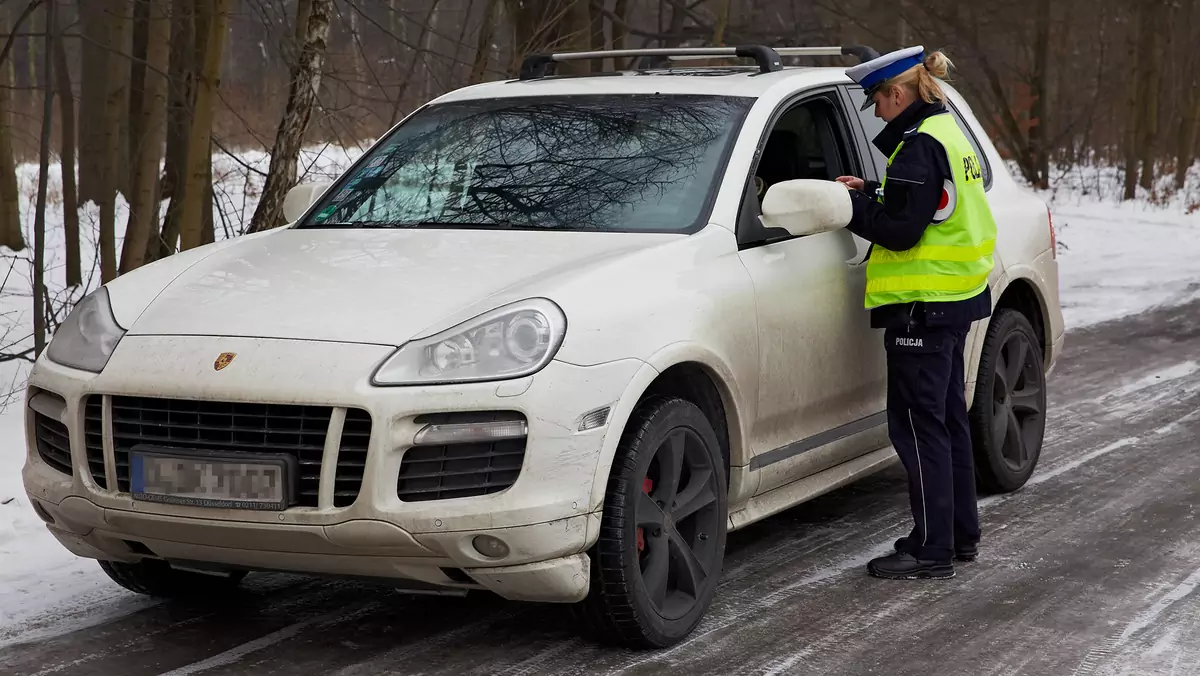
(911, 197)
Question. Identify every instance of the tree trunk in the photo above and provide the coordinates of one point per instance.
(302, 94)
(1136, 85)
(66, 107)
(1152, 44)
(116, 93)
(214, 14)
(356, 52)
(541, 25)
(597, 29)
(1038, 90)
(718, 37)
(31, 69)
(1189, 124)
(483, 45)
(93, 60)
(10, 214)
(412, 65)
(179, 116)
(1189, 118)
(143, 208)
(39, 219)
(576, 30)
(131, 134)
(620, 31)
(208, 228)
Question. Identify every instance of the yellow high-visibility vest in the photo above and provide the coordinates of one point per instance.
(953, 259)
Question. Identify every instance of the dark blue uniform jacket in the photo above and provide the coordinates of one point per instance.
(914, 189)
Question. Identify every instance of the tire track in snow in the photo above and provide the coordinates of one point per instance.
(235, 654)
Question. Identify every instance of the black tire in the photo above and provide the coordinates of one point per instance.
(158, 578)
(1008, 396)
(619, 608)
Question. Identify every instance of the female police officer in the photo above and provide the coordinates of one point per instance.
(932, 235)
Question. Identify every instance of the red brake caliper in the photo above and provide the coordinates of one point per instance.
(647, 486)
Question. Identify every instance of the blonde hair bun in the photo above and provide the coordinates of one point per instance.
(938, 65)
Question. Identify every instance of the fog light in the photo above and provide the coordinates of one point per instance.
(466, 433)
(491, 547)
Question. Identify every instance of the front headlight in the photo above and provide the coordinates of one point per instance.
(89, 335)
(508, 342)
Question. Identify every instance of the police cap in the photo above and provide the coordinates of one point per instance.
(871, 74)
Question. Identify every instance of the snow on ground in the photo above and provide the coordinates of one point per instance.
(1115, 259)
(1119, 258)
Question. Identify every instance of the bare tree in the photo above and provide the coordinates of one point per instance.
(212, 19)
(10, 217)
(117, 35)
(66, 107)
(1156, 11)
(306, 82)
(483, 44)
(143, 209)
(1139, 34)
(181, 78)
(92, 85)
(39, 220)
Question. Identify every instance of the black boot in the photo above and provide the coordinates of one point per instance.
(905, 566)
(963, 552)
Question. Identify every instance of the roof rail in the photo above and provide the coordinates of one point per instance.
(535, 66)
(863, 53)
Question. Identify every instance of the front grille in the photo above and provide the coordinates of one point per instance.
(296, 430)
(459, 470)
(352, 457)
(53, 442)
(93, 436)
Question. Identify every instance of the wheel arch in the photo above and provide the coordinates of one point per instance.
(1022, 294)
(1018, 293)
(694, 382)
(692, 373)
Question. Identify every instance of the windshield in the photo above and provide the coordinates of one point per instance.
(622, 163)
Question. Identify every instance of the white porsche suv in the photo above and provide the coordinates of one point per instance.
(551, 337)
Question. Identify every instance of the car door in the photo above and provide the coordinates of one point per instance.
(822, 372)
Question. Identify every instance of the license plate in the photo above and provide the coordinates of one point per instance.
(212, 479)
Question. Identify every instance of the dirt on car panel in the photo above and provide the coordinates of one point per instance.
(1089, 569)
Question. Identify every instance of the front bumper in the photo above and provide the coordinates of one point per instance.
(546, 517)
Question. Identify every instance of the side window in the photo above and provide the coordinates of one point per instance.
(805, 142)
(871, 125)
(983, 160)
(809, 140)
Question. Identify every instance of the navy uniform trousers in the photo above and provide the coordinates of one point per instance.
(928, 426)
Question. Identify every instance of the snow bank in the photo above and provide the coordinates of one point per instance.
(1119, 258)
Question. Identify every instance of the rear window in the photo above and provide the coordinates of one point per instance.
(612, 162)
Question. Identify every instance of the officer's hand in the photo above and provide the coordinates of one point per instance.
(852, 182)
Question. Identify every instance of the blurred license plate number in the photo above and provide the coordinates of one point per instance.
(210, 482)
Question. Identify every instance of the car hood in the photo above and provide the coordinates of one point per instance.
(379, 286)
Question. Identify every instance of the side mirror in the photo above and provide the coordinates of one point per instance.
(807, 206)
(300, 198)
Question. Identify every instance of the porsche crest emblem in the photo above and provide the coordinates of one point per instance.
(223, 360)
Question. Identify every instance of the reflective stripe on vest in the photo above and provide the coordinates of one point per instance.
(953, 258)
